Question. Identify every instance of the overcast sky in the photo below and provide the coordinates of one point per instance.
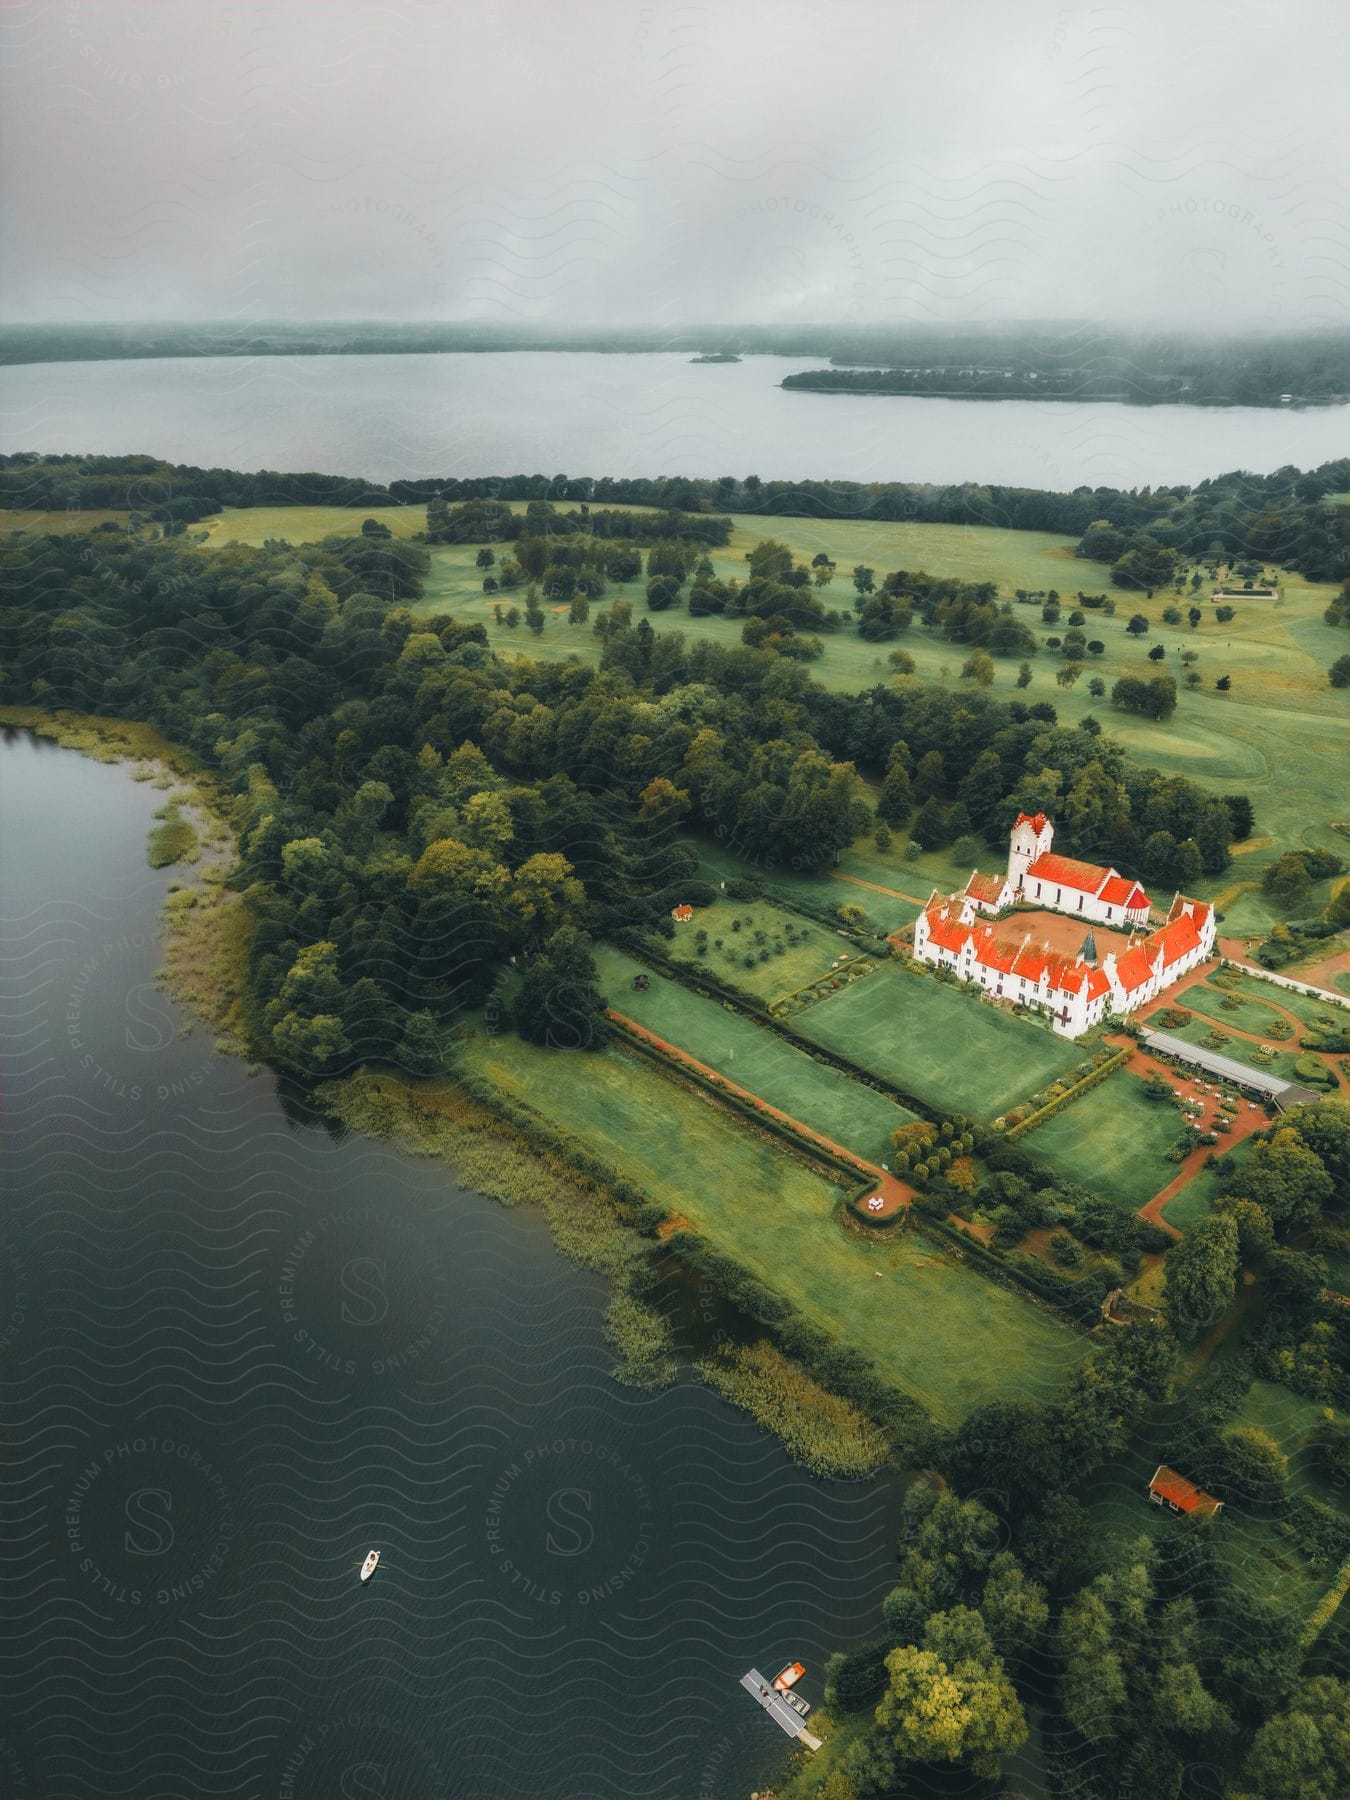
(580, 162)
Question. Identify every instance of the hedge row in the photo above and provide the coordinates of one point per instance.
(698, 982)
(994, 1265)
(839, 1165)
(1098, 1074)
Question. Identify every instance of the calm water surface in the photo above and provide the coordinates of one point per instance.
(239, 1350)
(587, 414)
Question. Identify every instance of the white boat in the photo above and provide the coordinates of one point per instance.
(369, 1566)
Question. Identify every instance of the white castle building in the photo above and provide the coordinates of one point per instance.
(1076, 991)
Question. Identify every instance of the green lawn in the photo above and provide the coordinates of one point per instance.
(1111, 1141)
(756, 1058)
(1302, 1006)
(939, 1042)
(739, 923)
(1251, 1014)
(944, 1333)
(819, 888)
(1198, 1029)
(1196, 1199)
(1273, 736)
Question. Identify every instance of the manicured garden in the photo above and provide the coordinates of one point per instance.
(1112, 1141)
(755, 1058)
(939, 1041)
(927, 1322)
(752, 944)
(822, 889)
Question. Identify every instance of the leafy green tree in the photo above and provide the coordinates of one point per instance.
(1254, 1470)
(1201, 1273)
(559, 1003)
(420, 1052)
(1303, 1753)
(1014, 1607)
(1339, 672)
(962, 1711)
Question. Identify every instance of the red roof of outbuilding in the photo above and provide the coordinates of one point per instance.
(985, 887)
(1183, 1494)
(945, 929)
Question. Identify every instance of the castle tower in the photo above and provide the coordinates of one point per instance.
(1031, 837)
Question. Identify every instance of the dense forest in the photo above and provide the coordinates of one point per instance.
(1284, 517)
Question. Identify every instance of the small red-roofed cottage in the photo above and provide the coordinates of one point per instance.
(682, 914)
(1169, 1489)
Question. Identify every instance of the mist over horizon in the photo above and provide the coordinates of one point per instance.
(679, 169)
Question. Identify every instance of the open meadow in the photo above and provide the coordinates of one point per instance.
(1111, 1141)
(755, 1058)
(939, 1042)
(1274, 736)
(928, 1323)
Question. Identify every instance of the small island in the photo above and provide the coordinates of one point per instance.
(716, 356)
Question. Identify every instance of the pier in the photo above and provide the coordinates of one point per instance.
(761, 1689)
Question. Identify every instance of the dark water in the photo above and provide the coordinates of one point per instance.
(386, 417)
(240, 1350)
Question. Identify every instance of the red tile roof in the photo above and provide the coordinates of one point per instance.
(1175, 941)
(985, 887)
(1120, 891)
(1037, 821)
(1134, 968)
(1183, 1494)
(1087, 878)
(1183, 907)
(945, 929)
(682, 913)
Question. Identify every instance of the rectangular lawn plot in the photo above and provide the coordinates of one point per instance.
(755, 1058)
(944, 1046)
(765, 949)
(886, 911)
(933, 1326)
(1111, 1140)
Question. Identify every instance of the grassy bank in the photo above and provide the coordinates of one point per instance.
(204, 923)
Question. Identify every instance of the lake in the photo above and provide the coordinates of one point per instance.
(240, 1348)
(414, 417)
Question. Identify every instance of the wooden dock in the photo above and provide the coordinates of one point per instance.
(778, 1709)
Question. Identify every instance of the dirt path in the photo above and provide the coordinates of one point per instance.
(895, 1193)
(1294, 1045)
(875, 887)
(1244, 1124)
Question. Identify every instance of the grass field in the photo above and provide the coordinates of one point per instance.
(1196, 1199)
(1302, 1006)
(1198, 1029)
(1111, 1141)
(1251, 1014)
(939, 1042)
(739, 923)
(933, 1326)
(305, 524)
(885, 912)
(757, 1059)
(59, 524)
(1273, 736)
